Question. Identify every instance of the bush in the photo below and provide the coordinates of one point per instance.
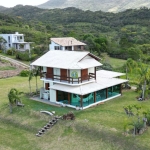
(11, 51)
(24, 73)
(25, 56)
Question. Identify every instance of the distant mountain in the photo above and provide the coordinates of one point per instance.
(95, 5)
(2, 8)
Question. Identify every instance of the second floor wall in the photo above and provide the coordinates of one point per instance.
(72, 76)
(54, 46)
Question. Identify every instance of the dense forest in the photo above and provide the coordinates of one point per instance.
(122, 35)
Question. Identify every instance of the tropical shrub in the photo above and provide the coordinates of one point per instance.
(24, 73)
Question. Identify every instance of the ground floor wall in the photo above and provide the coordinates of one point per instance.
(88, 99)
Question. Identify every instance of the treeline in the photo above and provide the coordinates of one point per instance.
(122, 35)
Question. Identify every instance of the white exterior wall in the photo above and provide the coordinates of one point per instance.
(52, 46)
(27, 46)
(44, 69)
(52, 95)
(91, 70)
(56, 71)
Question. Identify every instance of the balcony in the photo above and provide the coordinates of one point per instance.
(68, 80)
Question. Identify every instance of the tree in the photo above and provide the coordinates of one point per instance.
(2, 42)
(129, 65)
(144, 73)
(36, 73)
(30, 78)
(14, 97)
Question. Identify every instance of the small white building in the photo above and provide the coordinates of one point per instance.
(66, 43)
(70, 78)
(16, 41)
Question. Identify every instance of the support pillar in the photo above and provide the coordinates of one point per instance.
(94, 97)
(95, 72)
(81, 100)
(69, 100)
(107, 93)
(121, 89)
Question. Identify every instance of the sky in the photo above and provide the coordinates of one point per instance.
(12, 3)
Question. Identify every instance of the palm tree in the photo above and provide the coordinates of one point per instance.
(144, 73)
(14, 97)
(2, 42)
(36, 73)
(29, 79)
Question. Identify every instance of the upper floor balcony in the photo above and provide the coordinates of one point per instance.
(18, 40)
(68, 80)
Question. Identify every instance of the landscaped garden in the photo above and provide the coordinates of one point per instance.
(99, 127)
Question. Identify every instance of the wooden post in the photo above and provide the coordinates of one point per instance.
(68, 76)
(106, 92)
(95, 73)
(94, 97)
(81, 100)
(121, 89)
(69, 100)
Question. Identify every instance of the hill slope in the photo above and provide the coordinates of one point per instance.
(95, 5)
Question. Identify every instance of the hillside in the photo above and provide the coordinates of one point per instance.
(124, 31)
(96, 5)
(2, 8)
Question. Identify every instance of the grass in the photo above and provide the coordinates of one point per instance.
(7, 68)
(114, 62)
(14, 57)
(99, 127)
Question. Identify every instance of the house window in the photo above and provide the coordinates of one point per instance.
(79, 47)
(9, 39)
(56, 47)
(9, 45)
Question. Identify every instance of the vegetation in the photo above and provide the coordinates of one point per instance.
(7, 68)
(97, 127)
(122, 35)
(14, 97)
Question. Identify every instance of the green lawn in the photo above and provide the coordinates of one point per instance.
(14, 57)
(98, 128)
(7, 68)
(114, 62)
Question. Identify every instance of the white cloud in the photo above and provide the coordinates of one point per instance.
(12, 3)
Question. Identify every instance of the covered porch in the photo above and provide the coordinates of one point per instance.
(86, 95)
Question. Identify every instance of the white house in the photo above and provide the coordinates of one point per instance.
(16, 41)
(66, 43)
(70, 78)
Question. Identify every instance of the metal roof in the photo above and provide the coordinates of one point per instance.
(67, 60)
(101, 83)
(67, 41)
(108, 74)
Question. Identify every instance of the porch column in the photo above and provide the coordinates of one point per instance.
(107, 93)
(69, 100)
(121, 89)
(81, 100)
(94, 97)
(95, 72)
(68, 76)
(81, 75)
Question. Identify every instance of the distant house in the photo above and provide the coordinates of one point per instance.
(71, 78)
(66, 43)
(16, 41)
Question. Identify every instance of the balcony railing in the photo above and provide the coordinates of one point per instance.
(67, 79)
